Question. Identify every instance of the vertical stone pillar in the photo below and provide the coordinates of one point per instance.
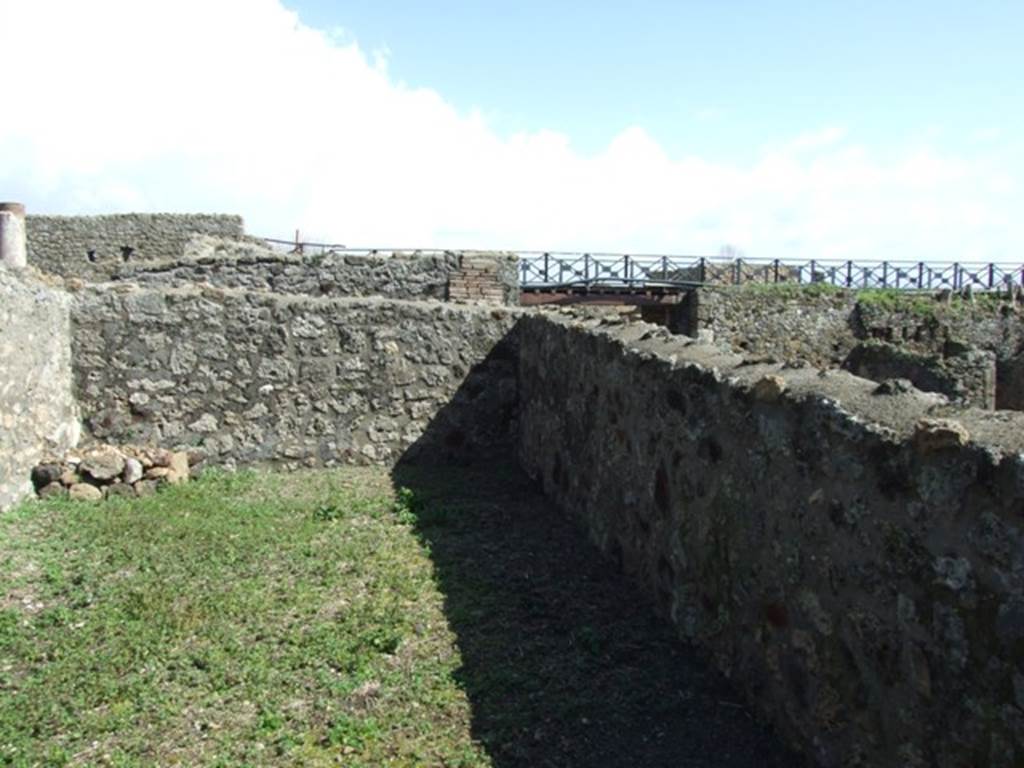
(12, 235)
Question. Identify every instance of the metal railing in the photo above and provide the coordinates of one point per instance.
(539, 270)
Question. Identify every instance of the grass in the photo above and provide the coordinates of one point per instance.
(317, 619)
(240, 620)
(920, 303)
(925, 304)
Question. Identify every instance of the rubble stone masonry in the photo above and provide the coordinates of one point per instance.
(851, 559)
(262, 378)
(94, 247)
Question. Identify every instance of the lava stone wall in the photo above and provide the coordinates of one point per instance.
(784, 321)
(253, 377)
(967, 377)
(37, 407)
(822, 326)
(248, 263)
(986, 321)
(852, 563)
(94, 247)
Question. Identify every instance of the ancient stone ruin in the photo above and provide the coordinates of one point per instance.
(103, 471)
(848, 550)
(968, 348)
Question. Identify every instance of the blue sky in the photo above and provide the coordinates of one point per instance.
(787, 130)
(719, 78)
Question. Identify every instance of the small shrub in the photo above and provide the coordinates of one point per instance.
(407, 506)
(892, 300)
(327, 512)
(411, 509)
(352, 733)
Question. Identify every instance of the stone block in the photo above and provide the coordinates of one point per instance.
(85, 492)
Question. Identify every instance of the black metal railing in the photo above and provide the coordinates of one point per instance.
(552, 269)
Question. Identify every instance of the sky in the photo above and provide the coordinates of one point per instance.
(788, 130)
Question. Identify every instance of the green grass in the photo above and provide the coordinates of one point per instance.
(925, 304)
(326, 618)
(922, 304)
(239, 620)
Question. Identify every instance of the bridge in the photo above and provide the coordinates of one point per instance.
(658, 278)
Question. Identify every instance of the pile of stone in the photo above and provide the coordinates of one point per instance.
(102, 471)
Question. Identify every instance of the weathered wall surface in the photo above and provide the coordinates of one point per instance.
(968, 376)
(1010, 382)
(862, 581)
(262, 378)
(925, 323)
(93, 247)
(823, 326)
(249, 264)
(780, 321)
(37, 408)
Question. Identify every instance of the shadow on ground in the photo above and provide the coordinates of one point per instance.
(564, 663)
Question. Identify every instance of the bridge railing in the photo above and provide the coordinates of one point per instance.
(538, 270)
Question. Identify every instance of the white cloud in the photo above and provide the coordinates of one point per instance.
(233, 105)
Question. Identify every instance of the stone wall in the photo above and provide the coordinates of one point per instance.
(852, 564)
(927, 323)
(783, 321)
(258, 378)
(94, 247)
(822, 326)
(37, 408)
(965, 375)
(248, 263)
(929, 326)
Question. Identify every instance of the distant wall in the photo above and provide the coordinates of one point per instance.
(785, 321)
(858, 572)
(249, 264)
(291, 380)
(968, 377)
(37, 408)
(923, 322)
(94, 247)
(823, 326)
